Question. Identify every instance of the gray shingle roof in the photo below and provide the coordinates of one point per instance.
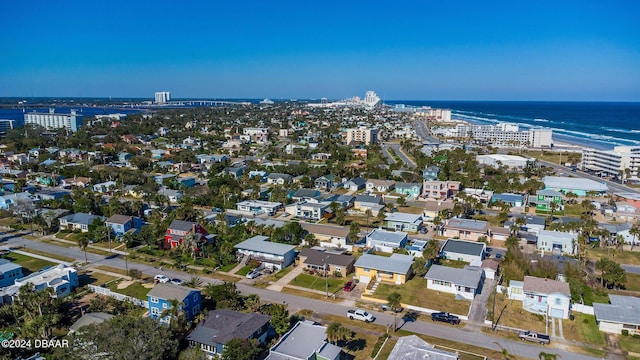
(169, 291)
(181, 225)
(545, 286)
(315, 257)
(394, 237)
(382, 263)
(467, 224)
(302, 341)
(463, 247)
(90, 318)
(623, 309)
(463, 277)
(369, 199)
(82, 218)
(220, 326)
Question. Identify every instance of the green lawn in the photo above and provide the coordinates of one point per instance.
(228, 268)
(633, 282)
(135, 290)
(583, 328)
(453, 263)
(94, 278)
(415, 292)
(621, 257)
(386, 350)
(630, 343)
(29, 263)
(245, 270)
(53, 256)
(317, 282)
(380, 253)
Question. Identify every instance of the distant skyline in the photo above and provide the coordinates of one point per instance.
(418, 50)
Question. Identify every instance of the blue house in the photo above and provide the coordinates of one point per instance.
(221, 326)
(124, 156)
(431, 173)
(513, 200)
(121, 224)
(9, 272)
(160, 179)
(409, 189)
(161, 295)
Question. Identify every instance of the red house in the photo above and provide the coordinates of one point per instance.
(179, 229)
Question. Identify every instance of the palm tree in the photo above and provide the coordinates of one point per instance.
(336, 332)
(193, 282)
(368, 214)
(393, 301)
(635, 231)
(252, 302)
(83, 243)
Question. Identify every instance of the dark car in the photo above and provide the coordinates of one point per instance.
(349, 286)
(445, 317)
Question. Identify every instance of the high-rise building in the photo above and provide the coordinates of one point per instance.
(363, 135)
(371, 99)
(613, 162)
(163, 97)
(53, 120)
(6, 124)
(507, 134)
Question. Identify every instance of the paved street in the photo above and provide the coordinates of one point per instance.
(469, 335)
(407, 161)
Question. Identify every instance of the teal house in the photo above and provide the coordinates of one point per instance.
(409, 189)
(545, 197)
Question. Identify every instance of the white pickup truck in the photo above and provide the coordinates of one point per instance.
(360, 314)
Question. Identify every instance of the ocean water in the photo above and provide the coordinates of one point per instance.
(18, 113)
(600, 125)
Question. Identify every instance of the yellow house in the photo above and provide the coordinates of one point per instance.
(395, 269)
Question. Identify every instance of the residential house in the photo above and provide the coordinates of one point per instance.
(626, 212)
(327, 182)
(164, 179)
(121, 224)
(178, 229)
(320, 260)
(72, 154)
(403, 221)
(365, 201)
(51, 194)
(433, 209)
(321, 156)
(412, 190)
(61, 278)
(466, 229)
(490, 268)
(513, 200)
(621, 229)
(482, 195)
(79, 221)
(345, 201)
(161, 296)
(439, 190)
(413, 348)
(619, 315)
(467, 251)
(386, 241)
(79, 181)
(258, 207)
(355, 184)
(124, 157)
(544, 198)
(557, 242)
(221, 326)
(431, 173)
(173, 195)
(274, 256)
(160, 153)
(382, 186)
(533, 223)
(542, 296)
(11, 200)
(235, 171)
(464, 283)
(89, 319)
(305, 341)
(279, 179)
(307, 210)
(187, 182)
(105, 187)
(306, 194)
(395, 269)
(9, 272)
(329, 235)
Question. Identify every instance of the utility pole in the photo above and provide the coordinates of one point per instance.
(326, 277)
(108, 236)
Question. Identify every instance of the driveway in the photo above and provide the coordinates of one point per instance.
(478, 310)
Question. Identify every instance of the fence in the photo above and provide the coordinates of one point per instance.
(107, 292)
(585, 309)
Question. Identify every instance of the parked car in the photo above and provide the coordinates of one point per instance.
(176, 282)
(534, 337)
(360, 314)
(386, 307)
(253, 274)
(161, 278)
(445, 317)
(349, 286)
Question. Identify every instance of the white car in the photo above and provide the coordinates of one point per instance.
(253, 274)
(176, 282)
(161, 278)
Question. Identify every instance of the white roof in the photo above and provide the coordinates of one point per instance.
(413, 348)
(263, 245)
(404, 218)
(395, 237)
(563, 182)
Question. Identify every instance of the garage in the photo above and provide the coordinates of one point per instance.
(364, 279)
(556, 313)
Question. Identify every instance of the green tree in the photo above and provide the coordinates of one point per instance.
(635, 232)
(241, 349)
(419, 267)
(401, 201)
(252, 302)
(83, 243)
(336, 332)
(393, 301)
(431, 250)
(225, 295)
(354, 230)
(193, 282)
(279, 318)
(612, 274)
(340, 217)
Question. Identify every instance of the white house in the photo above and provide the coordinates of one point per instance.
(259, 207)
(273, 255)
(461, 250)
(464, 283)
(61, 278)
(380, 185)
(307, 210)
(621, 314)
(542, 296)
(557, 242)
(279, 179)
(386, 241)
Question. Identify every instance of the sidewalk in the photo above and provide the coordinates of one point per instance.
(278, 285)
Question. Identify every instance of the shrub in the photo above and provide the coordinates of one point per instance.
(135, 273)
(625, 332)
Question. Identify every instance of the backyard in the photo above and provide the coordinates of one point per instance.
(415, 292)
(134, 289)
(318, 283)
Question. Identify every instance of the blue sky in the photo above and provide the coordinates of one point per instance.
(422, 50)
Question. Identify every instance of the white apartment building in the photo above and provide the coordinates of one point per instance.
(252, 131)
(363, 135)
(507, 134)
(611, 162)
(51, 120)
(438, 115)
(162, 97)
